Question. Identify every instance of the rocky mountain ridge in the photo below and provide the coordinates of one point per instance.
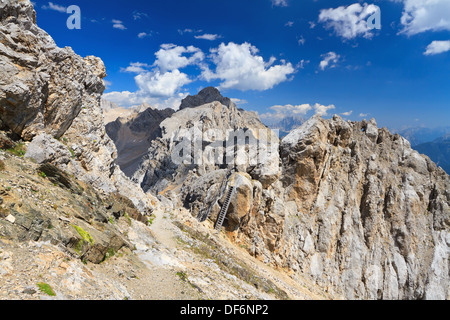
(351, 205)
(340, 208)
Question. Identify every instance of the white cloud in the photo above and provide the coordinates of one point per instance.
(329, 60)
(279, 3)
(139, 15)
(437, 47)
(127, 99)
(143, 35)
(171, 57)
(425, 15)
(349, 22)
(117, 24)
(239, 101)
(55, 7)
(289, 24)
(301, 41)
(302, 63)
(161, 85)
(108, 83)
(279, 112)
(208, 36)
(239, 67)
(136, 67)
(362, 115)
(188, 30)
(348, 113)
(323, 110)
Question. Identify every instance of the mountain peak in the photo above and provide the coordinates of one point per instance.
(206, 95)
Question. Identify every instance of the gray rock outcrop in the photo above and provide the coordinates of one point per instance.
(42, 87)
(352, 206)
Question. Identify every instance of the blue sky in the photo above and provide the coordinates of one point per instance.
(276, 57)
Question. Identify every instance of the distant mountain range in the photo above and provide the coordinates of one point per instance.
(420, 135)
(286, 125)
(438, 151)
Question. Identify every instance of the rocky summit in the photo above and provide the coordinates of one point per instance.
(205, 202)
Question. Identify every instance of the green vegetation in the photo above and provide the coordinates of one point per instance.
(84, 235)
(18, 150)
(150, 220)
(45, 288)
(109, 253)
(128, 218)
(71, 152)
(183, 276)
(42, 174)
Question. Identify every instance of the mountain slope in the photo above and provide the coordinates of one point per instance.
(133, 135)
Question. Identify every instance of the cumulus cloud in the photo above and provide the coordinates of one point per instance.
(240, 67)
(237, 66)
(159, 84)
(208, 36)
(171, 57)
(323, 110)
(349, 22)
(118, 24)
(54, 7)
(279, 112)
(425, 15)
(127, 99)
(329, 60)
(437, 47)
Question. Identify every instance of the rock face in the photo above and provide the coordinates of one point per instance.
(207, 127)
(132, 135)
(359, 211)
(52, 96)
(42, 87)
(352, 206)
(207, 95)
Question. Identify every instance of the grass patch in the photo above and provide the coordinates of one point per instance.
(45, 288)
(84, 235)
(109, 254)
(18, 150)
(150, 220)
(183, 276)
(71, 152)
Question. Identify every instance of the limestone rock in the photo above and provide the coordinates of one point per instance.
(42, 87)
